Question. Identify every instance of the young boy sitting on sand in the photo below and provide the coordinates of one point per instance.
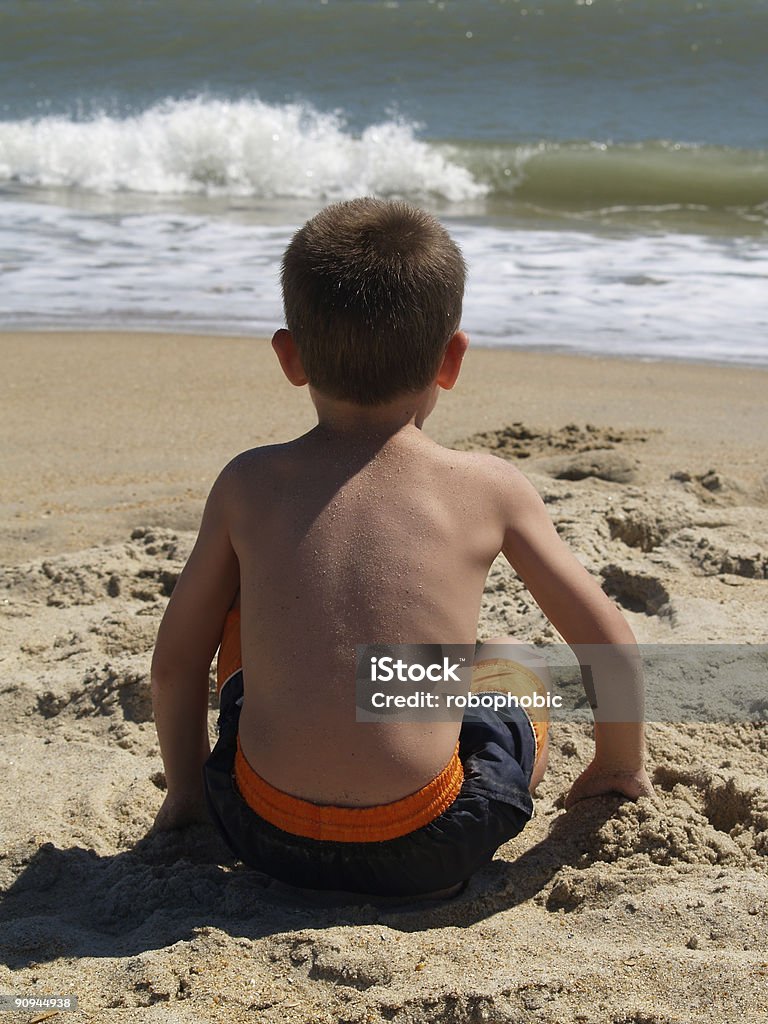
(365, 531)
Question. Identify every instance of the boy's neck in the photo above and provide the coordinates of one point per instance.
(349, 421)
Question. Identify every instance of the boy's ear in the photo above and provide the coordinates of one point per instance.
(448, 373)
(288, 355)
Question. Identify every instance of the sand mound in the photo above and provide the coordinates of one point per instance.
(522, 441)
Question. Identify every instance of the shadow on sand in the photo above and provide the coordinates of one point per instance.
(74, 903)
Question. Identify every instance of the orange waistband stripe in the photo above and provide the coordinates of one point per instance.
(349, 824)
(230, 659)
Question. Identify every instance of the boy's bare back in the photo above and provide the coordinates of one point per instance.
(344, 542)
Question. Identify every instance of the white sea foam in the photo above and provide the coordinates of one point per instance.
(665, 295)
(229, 147)
(660, 295)
(64, 268)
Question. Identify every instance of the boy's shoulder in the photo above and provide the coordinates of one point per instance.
(494, 469)
(250, 467)
(506, 488)
(257, 460)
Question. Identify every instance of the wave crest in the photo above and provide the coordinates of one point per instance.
(222, 147)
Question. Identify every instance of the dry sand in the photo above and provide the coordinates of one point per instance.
(647, 913)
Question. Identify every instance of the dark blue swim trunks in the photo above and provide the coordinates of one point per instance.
(492, 806)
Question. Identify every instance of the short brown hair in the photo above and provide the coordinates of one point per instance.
(372, 292)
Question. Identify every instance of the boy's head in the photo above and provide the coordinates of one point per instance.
(372, 292)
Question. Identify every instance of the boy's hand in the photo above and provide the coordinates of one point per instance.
(178, 811)
(596, 780)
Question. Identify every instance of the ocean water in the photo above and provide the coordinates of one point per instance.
(603, 163)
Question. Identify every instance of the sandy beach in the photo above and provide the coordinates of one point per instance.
(612, 913)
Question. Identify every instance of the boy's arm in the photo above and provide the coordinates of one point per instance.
(187, 640)
(576, 605)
